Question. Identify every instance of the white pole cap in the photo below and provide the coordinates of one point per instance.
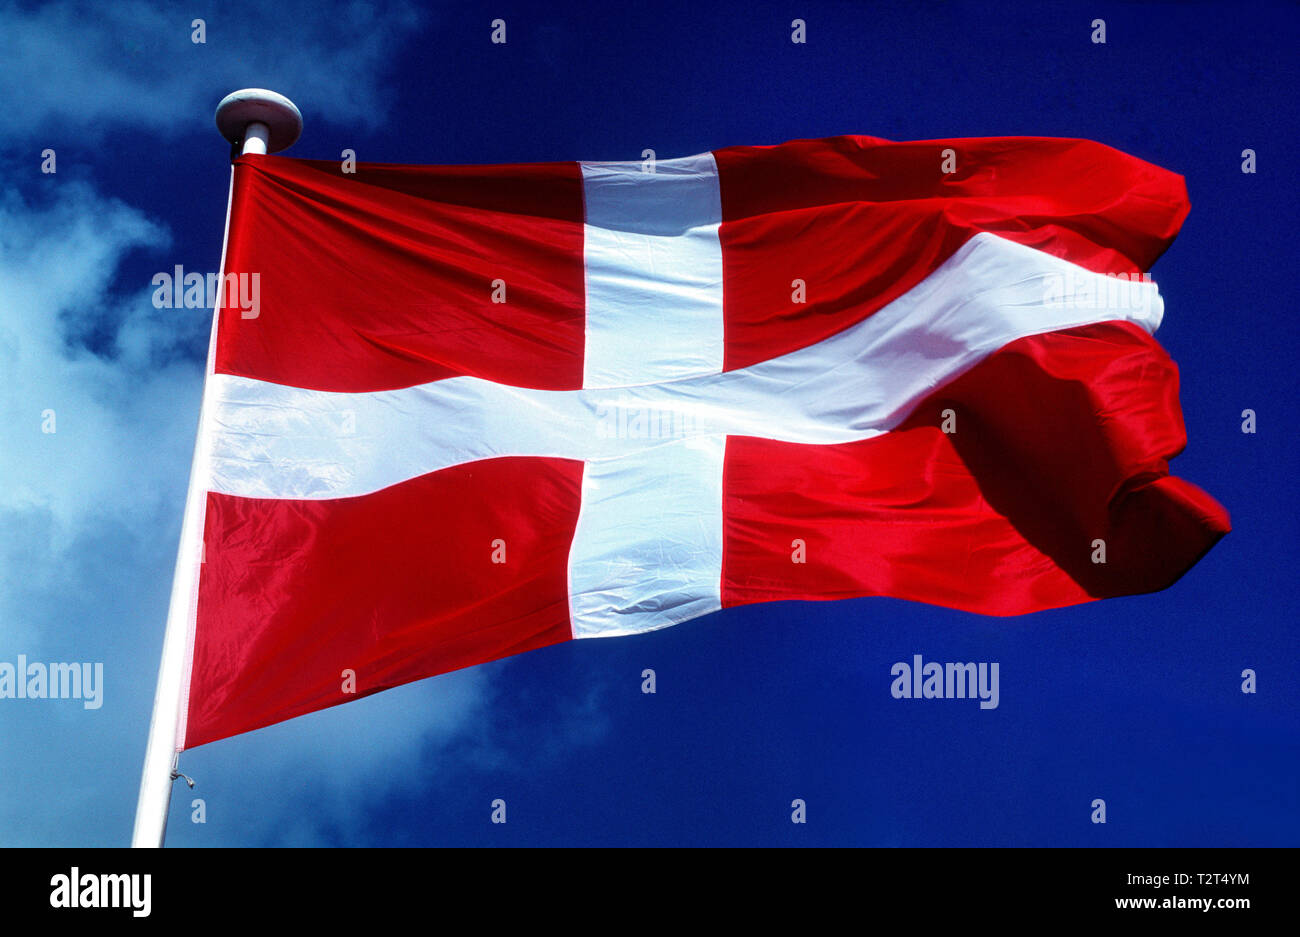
(281, 117)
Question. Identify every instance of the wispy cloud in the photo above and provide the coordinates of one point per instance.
(75, 418)
(90, 67)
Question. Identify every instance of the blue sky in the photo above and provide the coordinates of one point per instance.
(1134, 700)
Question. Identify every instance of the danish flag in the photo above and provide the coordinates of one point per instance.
(478, 410)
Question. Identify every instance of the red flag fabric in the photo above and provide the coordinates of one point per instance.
(457, 413)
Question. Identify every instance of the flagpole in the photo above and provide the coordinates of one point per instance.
(257, 122)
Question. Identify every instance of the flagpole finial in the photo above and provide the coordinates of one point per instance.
(259, 121)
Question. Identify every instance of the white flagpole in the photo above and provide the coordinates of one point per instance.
(260, 122)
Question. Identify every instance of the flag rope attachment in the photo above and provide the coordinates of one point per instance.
(258, 122)
(176, 774)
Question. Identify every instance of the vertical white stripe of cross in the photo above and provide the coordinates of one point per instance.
(647, 551)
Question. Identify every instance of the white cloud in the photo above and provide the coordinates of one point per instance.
(57, 264)
(80, 67)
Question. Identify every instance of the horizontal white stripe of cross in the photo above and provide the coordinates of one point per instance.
(273, 441)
